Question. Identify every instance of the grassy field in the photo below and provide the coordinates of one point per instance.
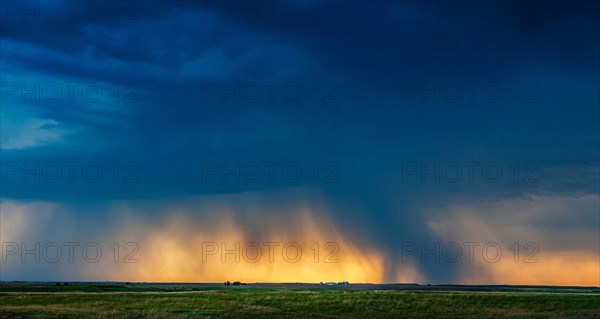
(198, 301)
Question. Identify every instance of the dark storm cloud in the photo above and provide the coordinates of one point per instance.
(371, 51)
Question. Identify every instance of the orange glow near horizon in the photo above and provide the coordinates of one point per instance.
(174, 247)
(177, 253)
(554, 268)
(566, 256)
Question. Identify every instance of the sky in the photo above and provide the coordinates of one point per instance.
(300, 141)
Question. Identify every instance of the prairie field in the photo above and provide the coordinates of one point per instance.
(110, 300)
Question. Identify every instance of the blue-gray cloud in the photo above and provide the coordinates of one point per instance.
(366, 114)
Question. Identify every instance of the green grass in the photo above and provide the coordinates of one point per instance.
(176, 301)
